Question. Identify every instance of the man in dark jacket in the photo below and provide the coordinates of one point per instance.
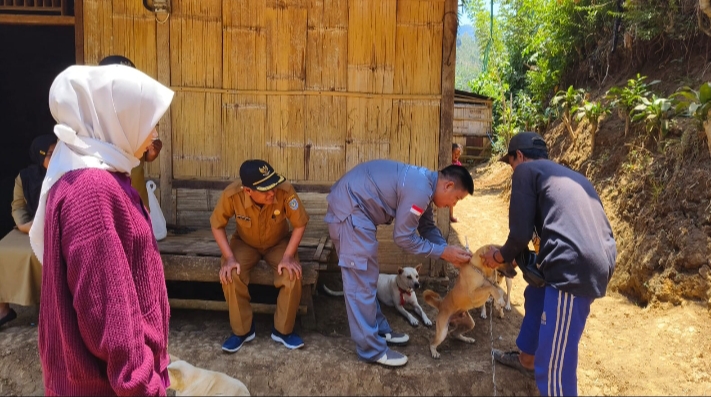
(576, 259)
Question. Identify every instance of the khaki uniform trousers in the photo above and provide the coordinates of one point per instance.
(237, 295)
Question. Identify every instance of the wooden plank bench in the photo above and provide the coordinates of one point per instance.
(195, 256)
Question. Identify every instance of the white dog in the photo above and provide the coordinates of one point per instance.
(398, 290)
(499, 276)
(188, 380)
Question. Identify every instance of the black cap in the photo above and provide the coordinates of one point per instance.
(522, 141)
(259, 175)
(116, 60)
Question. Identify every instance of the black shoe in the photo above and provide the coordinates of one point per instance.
(510, 359)
(8, 317)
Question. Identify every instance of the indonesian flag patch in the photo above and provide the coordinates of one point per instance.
(416, 210)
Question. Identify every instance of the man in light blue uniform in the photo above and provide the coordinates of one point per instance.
(375, 193)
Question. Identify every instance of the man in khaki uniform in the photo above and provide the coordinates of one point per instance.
(261, 204)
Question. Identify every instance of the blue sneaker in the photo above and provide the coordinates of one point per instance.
(234, 342)
(291, 341)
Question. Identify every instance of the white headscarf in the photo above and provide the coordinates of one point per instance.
(103, 115)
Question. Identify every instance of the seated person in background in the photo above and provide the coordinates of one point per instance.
(138, 179)
(20, 271)
(261, 203)
(456, 153)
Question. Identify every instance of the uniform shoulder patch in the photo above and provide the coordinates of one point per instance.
(294, 204)
(417, 211)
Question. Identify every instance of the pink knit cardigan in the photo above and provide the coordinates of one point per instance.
(103, 321)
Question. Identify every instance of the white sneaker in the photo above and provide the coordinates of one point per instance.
(392, 358)
(395, 338)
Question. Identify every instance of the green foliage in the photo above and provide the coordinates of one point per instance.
(654, 19)
(535, 44)
(626, 98)
(696, 103)
(566, 102)
(529, 112)
(655, 113)
(568, 99)
(591, 111)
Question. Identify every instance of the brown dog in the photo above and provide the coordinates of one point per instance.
(472, 288)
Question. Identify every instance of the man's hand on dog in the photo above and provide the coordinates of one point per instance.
(226, 270)
(291, 265)
(492, 258)
(456, 255)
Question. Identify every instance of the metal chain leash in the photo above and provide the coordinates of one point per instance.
(491, 324)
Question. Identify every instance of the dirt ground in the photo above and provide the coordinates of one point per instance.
(626, 350)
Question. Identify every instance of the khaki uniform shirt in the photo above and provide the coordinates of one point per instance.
(19, 205)
(263, 227)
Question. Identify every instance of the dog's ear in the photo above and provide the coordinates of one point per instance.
(418, 267)
(400, 270)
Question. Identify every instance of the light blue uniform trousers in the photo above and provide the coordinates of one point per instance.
(357, 247)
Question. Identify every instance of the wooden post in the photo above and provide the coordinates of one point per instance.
(79, 31)
(165, 129)
(446, 121)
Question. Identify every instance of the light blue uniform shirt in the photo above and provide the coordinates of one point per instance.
(385, 190)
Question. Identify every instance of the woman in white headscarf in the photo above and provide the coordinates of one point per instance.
(103, 322)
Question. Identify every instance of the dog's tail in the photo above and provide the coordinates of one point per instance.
(330, 291)
(432, 298)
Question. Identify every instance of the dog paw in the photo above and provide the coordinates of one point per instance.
(427, 322)
(508, 307)
(435, 353)
(483, 314)
(414, 322)
(467, 339)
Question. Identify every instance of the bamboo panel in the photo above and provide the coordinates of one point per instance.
(369, 130)
(415, 132)
(196, 43)
(285, 23)
(134, 36)
(244, 131)
(418, 47)
(327, 45)
(197, 135)
(97, 30)
(285, 135)
(371, 45)
(244, 64)
(325, 152)
(192, 200)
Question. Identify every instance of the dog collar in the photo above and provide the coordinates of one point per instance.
(402, 295)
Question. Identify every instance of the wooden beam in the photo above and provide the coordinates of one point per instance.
(165, 130)
(301, 187)
(199, 304)
(207, 269)
(79, 31)
(446, 122)
(56, 20)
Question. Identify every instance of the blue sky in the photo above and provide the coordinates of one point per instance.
(464, 18)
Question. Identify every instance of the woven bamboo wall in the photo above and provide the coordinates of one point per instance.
(312, 86)
(125, 28)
